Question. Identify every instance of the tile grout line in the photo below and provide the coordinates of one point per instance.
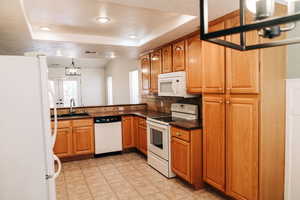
(86, 183)
(65, 180)
(100, 171)
(131, 184)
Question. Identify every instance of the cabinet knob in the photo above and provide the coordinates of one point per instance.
(228, 102)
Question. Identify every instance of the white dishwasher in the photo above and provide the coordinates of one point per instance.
(108, 134)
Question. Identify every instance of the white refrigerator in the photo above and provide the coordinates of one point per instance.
(27, 169)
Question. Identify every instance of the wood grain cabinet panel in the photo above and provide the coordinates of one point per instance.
(179, 56)
(213, 60)
(64, 144)
(181, 153)
(214, 140)
(242, 66)
(145, 73)
(242, 148)
(194, 65)
(83, 140)
(156, 65)
(127, 132)
(167, 62)
(143, 145)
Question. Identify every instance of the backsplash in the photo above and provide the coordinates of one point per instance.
(163, 104)
(98, 109)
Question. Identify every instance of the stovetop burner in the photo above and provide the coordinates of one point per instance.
(165, 119)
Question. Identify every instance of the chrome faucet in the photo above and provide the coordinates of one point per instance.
(72, 105)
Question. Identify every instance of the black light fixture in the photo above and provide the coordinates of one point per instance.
(72, 70)
(264, 21)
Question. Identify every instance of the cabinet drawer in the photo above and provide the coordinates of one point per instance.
(180, 133)
(142, 122)
(83, 122)
(62, 124)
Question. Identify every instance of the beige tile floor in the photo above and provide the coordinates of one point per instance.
(122, 177)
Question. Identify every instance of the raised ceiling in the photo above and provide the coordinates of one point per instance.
(74, 30)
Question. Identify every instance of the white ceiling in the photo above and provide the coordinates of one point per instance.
(75, 31)
(61, 62)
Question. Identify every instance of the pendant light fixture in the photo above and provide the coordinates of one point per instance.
(72, 70)
(264, 21)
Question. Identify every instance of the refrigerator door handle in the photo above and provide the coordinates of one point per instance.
(56, 174)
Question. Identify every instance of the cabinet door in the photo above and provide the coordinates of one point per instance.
(179, 56)
(181, 154)
(145, 71)
(63, 144)
(127, 132)
(156, 63)
(194, 65)
(83, 140)
(242, 66)
(214, 141)
(242, 148)
(213, 57)
(143, 140)
(167, 65)
(135, 129)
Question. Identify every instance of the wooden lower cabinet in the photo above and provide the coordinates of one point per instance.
(186, 155)
(242, 147)
(63, 145)
(237, 145)
(142, 135)
(143, 140)
(74, 138)
(127, 132)
(83, 140)
(181, 153)
(214, 140)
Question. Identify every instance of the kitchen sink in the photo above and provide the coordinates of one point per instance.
(72, 115)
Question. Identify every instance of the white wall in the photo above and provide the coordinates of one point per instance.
(119, 69)
(92, 84)
(293, 69)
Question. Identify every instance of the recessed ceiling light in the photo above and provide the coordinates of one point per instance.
(103, 20)
(132, 36)
(45, 28)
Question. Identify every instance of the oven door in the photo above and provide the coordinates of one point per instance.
(158, 139)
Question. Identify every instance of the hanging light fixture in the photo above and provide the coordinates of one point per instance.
(264, 22)
(72, 70)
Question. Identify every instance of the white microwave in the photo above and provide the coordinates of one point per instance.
(173, 85)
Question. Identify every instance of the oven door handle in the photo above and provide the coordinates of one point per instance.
(156, 125)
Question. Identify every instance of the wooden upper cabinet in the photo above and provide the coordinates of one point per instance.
(242, 148)
(145, 71)
(214, 141)
(127, 132)
(181, 153)
(242, 66)
(83, 140)
(167, 63)
(213, 60)
(179, 56)
(64, 143)
(194, 65)
(156, 63)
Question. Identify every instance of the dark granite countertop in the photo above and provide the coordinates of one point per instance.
(180, 123)
(187, 124)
